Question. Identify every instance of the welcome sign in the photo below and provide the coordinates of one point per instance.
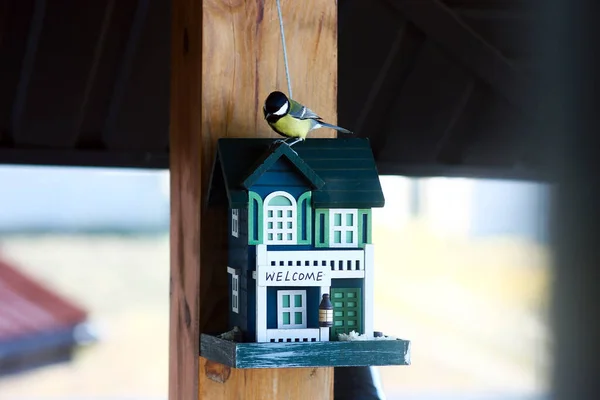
(293, 276)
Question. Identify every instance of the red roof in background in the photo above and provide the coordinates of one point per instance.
(28, 307)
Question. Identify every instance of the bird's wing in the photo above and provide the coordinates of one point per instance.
(299, 111)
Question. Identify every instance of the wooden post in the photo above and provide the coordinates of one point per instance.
(226, 57)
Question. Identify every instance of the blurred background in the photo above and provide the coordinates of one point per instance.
(462, 270)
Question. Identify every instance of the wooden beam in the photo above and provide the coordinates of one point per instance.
(428, 170)
(84, 158)
(225, 59)
(451, 33)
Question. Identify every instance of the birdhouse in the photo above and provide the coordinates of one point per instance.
(300, 255)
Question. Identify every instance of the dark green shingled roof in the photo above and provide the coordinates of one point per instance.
(342, 171)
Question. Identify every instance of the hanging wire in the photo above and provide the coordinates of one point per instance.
(285, 59)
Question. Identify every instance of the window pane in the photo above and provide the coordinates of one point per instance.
(289, 225)
(286, 300)
(280, 225)
(270, 225)
(298, 300)
(337, 237)
(351, 304)
(352, 313)
(350, 323)
(289, 236)
(337, 218)
(280, 201)
(279, 236)
(298, 318)
(270, 213)
(289, 213)
(338, 313)
(339, 323)
(286, 318)
(270, 236)
(349, 237)
(349, 219)
(280, 213)
(338, 295)
(350, 294)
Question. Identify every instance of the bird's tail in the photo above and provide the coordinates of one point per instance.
(337, 128)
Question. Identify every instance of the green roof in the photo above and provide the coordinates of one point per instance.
(341, 171)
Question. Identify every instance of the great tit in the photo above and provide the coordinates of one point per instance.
(291, 119)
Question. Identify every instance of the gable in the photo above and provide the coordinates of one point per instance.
(282, 175)
(273, 156)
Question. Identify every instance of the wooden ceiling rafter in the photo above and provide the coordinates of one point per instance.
(387, 85)
(109, 132)
(33, 37)
(433, 98)
(440, 23)
(113, 98)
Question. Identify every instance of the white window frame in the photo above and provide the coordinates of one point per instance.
(235, 293)
(235, 222)
(270, 215)
(291, 309)
(343, 229)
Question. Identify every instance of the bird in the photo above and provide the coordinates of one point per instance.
(291, 119)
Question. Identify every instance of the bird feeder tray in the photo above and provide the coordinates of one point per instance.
(357, 353)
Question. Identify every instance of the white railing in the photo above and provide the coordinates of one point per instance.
(293, 335)
(337, 260)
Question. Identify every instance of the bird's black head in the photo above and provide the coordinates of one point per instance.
(276, 106)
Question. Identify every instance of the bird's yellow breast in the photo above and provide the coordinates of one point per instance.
(292, 127)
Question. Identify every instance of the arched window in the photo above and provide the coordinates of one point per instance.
(279, 219)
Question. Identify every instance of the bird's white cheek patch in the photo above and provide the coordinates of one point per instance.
(282, 110)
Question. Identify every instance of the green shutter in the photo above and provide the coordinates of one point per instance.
(304, 219)
(364, 231)
(255, 217)
(322, 228)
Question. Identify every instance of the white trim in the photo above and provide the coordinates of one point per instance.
(343, 229)
(280, 221)
(261, 298)
(337, 260)
(342, 263)
(346, 274)
(261, 314)
(235, 293)
(324, 334)
(293, 335)
(235, 222)
(369, 294)
(235, 290)
(291, 309)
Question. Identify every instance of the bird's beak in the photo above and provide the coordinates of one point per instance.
(267, 115)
